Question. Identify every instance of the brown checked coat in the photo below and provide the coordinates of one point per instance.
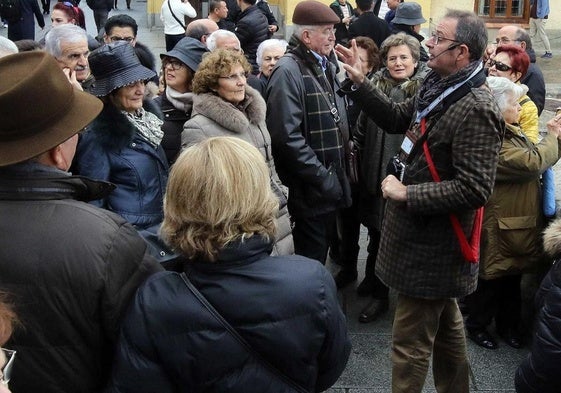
(419, 253)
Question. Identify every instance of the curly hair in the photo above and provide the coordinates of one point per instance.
(218, 192)
(213, 66)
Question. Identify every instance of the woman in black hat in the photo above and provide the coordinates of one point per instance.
(178, 67)
(122, 145)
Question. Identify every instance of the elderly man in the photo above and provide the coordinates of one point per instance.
(443, 175)
(71, 268)
(223, 39)
(200, 29)
(514, 35)
(68, 44)
(308, 126)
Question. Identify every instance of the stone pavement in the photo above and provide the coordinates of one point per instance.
(369, 367)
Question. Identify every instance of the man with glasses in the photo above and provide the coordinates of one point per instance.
(447, 163)
(308, 124)
(514, 35)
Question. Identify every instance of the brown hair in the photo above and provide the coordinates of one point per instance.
(213, 66)
(8, 319)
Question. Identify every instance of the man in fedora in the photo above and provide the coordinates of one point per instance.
(70, 268)
(309, 128)
(408, 19)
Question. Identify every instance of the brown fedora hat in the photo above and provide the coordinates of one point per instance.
(39, 108)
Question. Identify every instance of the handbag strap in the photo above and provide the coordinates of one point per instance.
(172, 14)
(470, 251)
(283, 377)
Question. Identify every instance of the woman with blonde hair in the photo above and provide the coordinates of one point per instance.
(219, 213)
(224, 105)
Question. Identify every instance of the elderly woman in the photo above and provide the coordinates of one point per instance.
(268, 53)
(122, 145)
(220, 214)
(400, 79)
(512, 224)
(512, 62)
(224, 105)
(179, 66)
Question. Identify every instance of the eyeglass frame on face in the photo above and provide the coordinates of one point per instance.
(505, 40)
(328, 31)
(175, 64)
(235, 77)
(436, 39)
(498, 65)
(6, 369)
(117, 39)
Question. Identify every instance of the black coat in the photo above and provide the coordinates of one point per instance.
(539, 372)
(71, 270)
(252, 29)
(174, 119)
(25, 28)
(535, 82)
(285, 307)
(369, 25)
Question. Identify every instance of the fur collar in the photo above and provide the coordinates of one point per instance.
(112, 128)
(552, 239)
(227, 115)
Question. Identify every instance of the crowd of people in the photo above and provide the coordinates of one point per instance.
(168, 229)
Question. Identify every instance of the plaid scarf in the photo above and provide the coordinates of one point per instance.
(434, 85)
(147, 125)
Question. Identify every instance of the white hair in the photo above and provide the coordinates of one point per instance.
(503, 89)
(299, 29)
(268, 44)
(211, 39)
(67, 33)
(7, 47)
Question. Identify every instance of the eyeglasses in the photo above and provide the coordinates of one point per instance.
(436, 39)
(328, 31)
(117, 38)
(6, 369)
(498, 65)
(505, 40)
(235, 77)
(174, 64)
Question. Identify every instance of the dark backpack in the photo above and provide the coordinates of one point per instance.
(10, 10)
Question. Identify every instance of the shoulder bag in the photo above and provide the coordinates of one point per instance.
(175, 17)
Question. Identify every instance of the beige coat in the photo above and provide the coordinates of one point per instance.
(212, 116)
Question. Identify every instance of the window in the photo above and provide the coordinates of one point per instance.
(503, 11)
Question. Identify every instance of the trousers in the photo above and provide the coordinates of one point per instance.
(423, 327)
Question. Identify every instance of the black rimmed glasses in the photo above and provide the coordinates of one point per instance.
(499, 66)
(235, 77)
(6, 368)
(174, 64)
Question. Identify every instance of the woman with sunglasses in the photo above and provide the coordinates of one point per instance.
(178, 68)
(225, 105)
(512, 62)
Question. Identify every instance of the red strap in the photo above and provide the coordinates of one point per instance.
(470, 251)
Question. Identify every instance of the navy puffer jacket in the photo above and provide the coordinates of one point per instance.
(252, 29)
(285, 307)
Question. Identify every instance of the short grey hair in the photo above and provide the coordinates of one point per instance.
(63, 33)
(398, 40)
(7, 47)
(211, 39)
(268, 44)
(299, 29)
(503, 89)
(470, 31)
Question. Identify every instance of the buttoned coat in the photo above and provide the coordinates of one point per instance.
(419, 253)
(513, 221)
(212, 116)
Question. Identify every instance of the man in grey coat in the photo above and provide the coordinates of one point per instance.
(455, 120)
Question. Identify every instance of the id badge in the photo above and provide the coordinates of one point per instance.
(408, 142)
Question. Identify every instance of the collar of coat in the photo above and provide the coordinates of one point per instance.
(234, 118)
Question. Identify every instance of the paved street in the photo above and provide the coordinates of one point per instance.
(369, 368)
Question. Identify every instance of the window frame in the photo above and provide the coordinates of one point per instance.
(508, 18)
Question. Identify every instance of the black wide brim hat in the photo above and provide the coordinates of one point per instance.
(39, 108)
(116, 65)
